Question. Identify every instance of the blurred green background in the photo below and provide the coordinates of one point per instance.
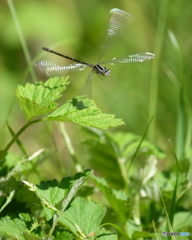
(78, 29)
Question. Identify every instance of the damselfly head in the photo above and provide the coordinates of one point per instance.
(107, 71)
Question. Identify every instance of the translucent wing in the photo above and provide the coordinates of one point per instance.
(138, 57)
(51, 69)
(119, 21)
(86, 90)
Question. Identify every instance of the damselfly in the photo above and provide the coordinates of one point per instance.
(117, 24)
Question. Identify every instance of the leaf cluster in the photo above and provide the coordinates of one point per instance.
(68, 209)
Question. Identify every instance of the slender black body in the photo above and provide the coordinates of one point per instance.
(97, 67)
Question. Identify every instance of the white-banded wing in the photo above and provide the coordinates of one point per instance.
(134, 58)
(118, 23)
(52, 69)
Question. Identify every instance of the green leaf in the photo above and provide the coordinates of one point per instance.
(86, 215)
(60, 194)
(117, 199)
(37, 99)
(83, 111)
(14, 226)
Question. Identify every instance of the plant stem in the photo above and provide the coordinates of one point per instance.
(4, 152)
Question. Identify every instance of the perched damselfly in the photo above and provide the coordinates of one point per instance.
(117, 24)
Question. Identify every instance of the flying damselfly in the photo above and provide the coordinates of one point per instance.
(117, 25)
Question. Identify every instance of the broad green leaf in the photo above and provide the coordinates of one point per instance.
(14, 226)
(37, 99)
(60, 194)
(86, 215)
(83, 111)
(117, 199)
